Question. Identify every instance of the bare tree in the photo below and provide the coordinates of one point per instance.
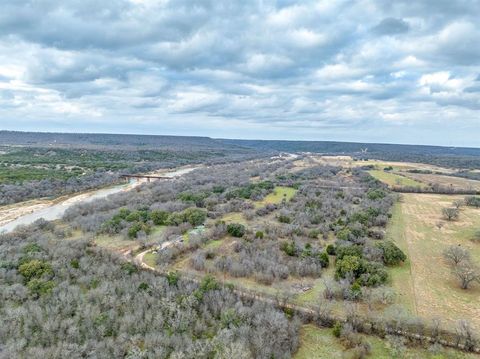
(465, 333)
(456, 254)
(458, 203)
(450, 213)
(466, 272)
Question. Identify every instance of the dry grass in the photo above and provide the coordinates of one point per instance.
(116, 243)
(393, 179)
(277, 196)
(319, 343)
(401, 275)
(437, 293)
(447, 181)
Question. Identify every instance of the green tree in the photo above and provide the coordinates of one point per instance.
(35, 268)
(159, 218)
(236, 230)
(392, 255)
(195, 216)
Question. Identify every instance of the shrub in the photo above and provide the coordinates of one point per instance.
(209, 283)
(450, 213)
(133, 217)
(368, 273)
(349, 264)
(289, 248)
(195, 216)
(259, 235)
(337, 329)
(143, 286)
(136, 228)
(352, 250)
(392, 255)
(355, 291)
(31, 248)
(159, 218)
(129, 268)
(282, 218)
(331, 249)
(218, 189)
(236, 230)
(35, 269)
(344, 234)
(172, 278)
(375, 194)
(472, 201)
(175, 219)
(323, 259)
(39, 287)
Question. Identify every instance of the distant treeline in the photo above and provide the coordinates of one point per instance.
(457, 157)
(34, 165)
(86, 140)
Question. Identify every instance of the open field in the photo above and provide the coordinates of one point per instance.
(446, 181)
(393, 179)
(319, 343)
(117, 243)
(401, 276)
(277, 196)
(437, 293)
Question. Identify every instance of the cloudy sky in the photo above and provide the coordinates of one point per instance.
(398, 71)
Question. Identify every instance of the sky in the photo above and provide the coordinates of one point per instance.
(385, 71)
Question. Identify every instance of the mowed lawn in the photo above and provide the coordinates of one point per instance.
(393, 179)
(436, 292)
(319, 343)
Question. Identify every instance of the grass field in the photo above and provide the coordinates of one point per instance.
(393, 179)
(447, 181)
(319, 343)
(116, 242)
(279, 193)
(234, 217)
(401, 276)
(150, 258)
(436, 292)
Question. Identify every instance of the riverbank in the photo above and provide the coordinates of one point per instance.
(25, 213)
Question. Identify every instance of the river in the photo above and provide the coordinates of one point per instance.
(57, 210)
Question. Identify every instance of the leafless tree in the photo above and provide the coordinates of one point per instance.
(456, 254)
(466, 273)
(458, 203)
(450, 213)
(465, 333)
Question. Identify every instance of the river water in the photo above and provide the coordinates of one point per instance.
(57, 210)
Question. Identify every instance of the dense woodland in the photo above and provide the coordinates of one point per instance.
(49, 165)
(66, 299)
(351, 207)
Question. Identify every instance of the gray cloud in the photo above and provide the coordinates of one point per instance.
(278, 69)
(391, 26)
